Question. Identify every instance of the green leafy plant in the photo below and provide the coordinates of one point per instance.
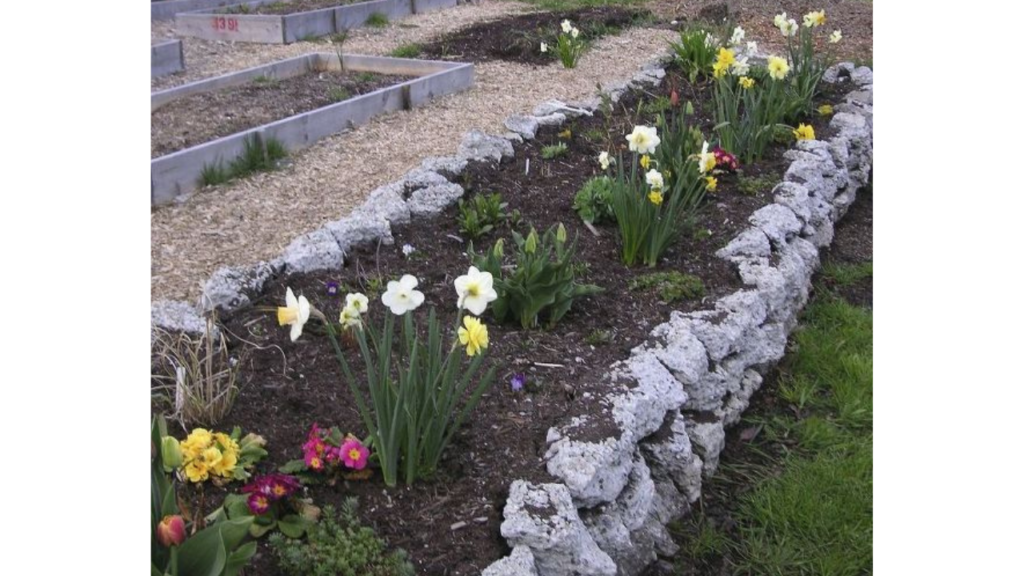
(366, 77)
(751, 185)
(670, 286)
(377, 20)
(598, 337)
(481, 214)
(195, 375)
(554, 151)
(541, 280)
(407, 51)
(808, 65)
(749, 108)
(338, 94)
(695, 52)
(593, 202)
(265, 79)
(339, 546)
(568, 46)
(338, 41)
(259, 154)
(215, 550)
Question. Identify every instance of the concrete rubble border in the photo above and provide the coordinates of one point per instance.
(676, 394)
(214, 24)
(176, 174)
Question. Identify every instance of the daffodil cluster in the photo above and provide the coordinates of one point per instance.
(568, 47)
(805, 65)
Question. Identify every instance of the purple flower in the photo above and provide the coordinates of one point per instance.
(518, 381)
(332, 288)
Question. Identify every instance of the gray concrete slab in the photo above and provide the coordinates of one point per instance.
(167, 58)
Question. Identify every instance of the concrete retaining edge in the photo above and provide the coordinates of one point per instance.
(210, 24)
(166, 58)
(177, 173)
(166, 9)
(675, 395)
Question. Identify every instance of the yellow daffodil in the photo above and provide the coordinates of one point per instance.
(645, 161)
(473, 336)
(814, 19)
(295, 312)
(706, 160)
(655, 197)
(804, 132)
(719, 70)
(565, 134)
(825, 110)
(778, 68)
(711, 183)
(746, 82)
(726, 57)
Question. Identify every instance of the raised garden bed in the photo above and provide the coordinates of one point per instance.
(518, 38)
(450, 525)
(167, 58)
(275, 22)
(181, 151)
(167, 9)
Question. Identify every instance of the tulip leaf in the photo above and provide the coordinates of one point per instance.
(202, 554)
(239, 558)
(293, 525)
(234, 531)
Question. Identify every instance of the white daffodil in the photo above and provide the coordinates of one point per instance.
(401, 296)
(350, 317)
(407, 249)
(790, 28)
(357, 301)
(644, 139)
(566, 26)
(655, 180)
(737, 36)
(543, 46)
(814, 19)
(752, 47)
(295, 312)
(780, 20)
(605, 160)
(475, 290)
(836, 36)
(709, 40)
(740, 67)
(575, 33)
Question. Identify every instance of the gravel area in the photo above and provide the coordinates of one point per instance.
(255, 218)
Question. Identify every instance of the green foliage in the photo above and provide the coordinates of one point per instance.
(569, 49)
(670, 286)
(846, 274)
(542, 279)
(377, 20)
(648, 227)
(658, 105)
(695, 52)
(255, 157)
(481, 215)
(216, 550)
(339, 546)
(807, 68)
(554, 151)
(214, 174)
(366, 77)
(338, 94)
(415, 388)
(407, 51)
(751, 185)
(265, 79)
(598, 337)
(593, 202)
(747, 119)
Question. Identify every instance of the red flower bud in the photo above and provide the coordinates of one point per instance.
(674, 98)
(171, 531)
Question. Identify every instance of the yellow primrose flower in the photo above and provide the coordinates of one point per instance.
(198, 440)
(473, 336)
(711, 183)
(196, 471)
(778, 68)
(814, 19)
(655, 197)
(825, 109)
(804, 132)
(226, 465)
(746, 82)
(645, 161)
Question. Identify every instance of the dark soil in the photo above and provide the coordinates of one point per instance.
(518, 38)
(288, 7)
(288, 386)
(852, 245)
(203, 117)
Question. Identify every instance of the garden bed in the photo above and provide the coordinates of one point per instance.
(301, 113)
(275, 22)
(166, 58)
(167, 9)
(518, 38)
(450, 525)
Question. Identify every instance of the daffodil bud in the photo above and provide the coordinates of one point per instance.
(170, 450)
(560, 235)
(499, 248)
(531, 242)
(171, 531)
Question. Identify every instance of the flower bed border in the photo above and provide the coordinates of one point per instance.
(673, 398)
(167, 58)
(177, 173)
(167, 9)
(207, 24)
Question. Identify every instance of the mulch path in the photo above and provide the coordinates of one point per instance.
(203, 117)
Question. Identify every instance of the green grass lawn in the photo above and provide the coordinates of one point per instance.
(802, 503)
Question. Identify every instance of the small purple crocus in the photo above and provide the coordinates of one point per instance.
(332, 288)
(518, 381)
